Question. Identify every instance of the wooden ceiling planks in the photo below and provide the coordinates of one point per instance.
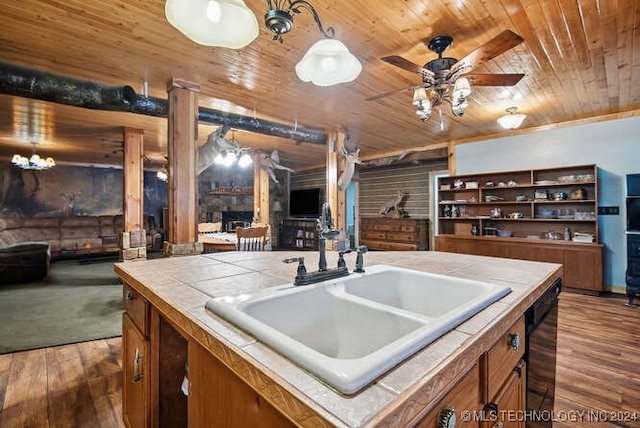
(579, 57)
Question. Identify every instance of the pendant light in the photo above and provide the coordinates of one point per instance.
(328, 62)
(511, 120)
(224, 23)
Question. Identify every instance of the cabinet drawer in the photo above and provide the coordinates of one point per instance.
(386, 227)
(402, 237)
(137, 308)
(374, 235)
(390, 246)
(503, 357)
(411, 228)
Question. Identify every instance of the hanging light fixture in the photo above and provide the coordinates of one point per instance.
(224, 23)
(231, 156)
(511, 120)
(35, 161)
(231, 24)
(328, 62)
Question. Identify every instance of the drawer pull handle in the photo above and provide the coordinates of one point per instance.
(129, 295)
(447, 418)
(514, 341)
(137, 376)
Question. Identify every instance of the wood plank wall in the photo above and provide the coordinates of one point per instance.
(379, 185)
(311, 179)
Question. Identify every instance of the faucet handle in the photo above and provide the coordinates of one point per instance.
(341, 262)
(302, 270)
(359, 259)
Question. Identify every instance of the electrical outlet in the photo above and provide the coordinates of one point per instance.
(608, 210)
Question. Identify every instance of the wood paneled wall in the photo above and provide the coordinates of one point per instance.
(379, 185)
(311, 179)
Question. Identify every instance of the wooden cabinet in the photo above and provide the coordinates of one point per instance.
(582, 262)
(493, 391)
(533, 204)
(505, 375)
(136, 358)
(219, 398)
(506, 408)
(550, 215)
(394, 234)
(464, 396)
(299, 234)
(156, 359)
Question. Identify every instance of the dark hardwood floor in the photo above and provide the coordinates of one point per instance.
(79, 385)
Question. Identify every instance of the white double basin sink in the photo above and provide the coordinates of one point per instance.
(349, 331)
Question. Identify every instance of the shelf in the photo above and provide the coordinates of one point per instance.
(475, 210)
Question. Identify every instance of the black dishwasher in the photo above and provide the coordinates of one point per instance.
(541, 341)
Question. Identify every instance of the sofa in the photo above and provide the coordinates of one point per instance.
(73, 236)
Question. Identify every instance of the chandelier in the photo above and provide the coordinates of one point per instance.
(35, 161)
(511, 120)
(439, 93)
(231, 24)
(233, 153)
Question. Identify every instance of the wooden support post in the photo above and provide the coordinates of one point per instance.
(183, 181)
(452, 158)
(260, 193)
(335, 197)
(133, 238)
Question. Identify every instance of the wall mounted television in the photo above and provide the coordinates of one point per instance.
(306, 203)
(633, 214)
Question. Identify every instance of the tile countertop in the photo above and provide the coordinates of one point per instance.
(179, 287)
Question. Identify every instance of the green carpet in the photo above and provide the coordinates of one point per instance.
(76, 303)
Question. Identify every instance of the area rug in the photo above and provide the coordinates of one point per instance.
(77, 302)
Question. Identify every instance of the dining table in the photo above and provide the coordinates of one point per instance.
(218, 241)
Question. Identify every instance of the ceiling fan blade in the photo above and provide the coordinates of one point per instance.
(494, 47)
(405, 64)
(386, 94)
(478, 79)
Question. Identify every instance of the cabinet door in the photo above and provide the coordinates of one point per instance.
(583, 269)
(509, 404)
(465, 396)
(135, 371)
(219, 398)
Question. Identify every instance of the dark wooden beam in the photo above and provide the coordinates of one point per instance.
(40, 85)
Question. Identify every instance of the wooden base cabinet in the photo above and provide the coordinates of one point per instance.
(582, 261)
(219, 398)
(492, 392)
(135, 382)
(136, 359)
(394, 234)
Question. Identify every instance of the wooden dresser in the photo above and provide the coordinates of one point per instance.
(394, 234)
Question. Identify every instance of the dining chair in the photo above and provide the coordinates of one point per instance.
(251, 238)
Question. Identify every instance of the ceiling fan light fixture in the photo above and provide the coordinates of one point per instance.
(419, 94)
(222, 23)
(462, 88)
(511, 120)
(328, 62)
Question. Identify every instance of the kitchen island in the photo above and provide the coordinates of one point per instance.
(233, 378)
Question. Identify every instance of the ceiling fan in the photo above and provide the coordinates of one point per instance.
(450, 79)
